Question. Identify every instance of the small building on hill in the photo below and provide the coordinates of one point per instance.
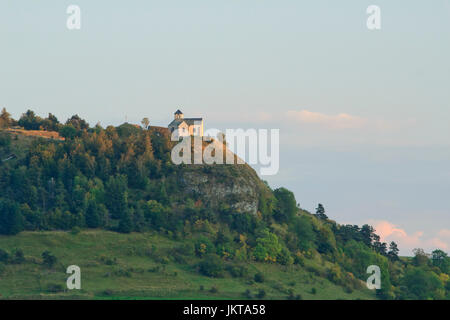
(186, 126)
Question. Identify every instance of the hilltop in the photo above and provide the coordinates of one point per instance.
(111, 201)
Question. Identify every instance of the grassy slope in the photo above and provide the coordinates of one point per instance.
(172, 281)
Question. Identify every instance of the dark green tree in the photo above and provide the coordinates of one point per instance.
(29, 121)
(48, 259)
(116, 196)
(393, 251)
(286, 205)
(367, 233)
(320, 212)
(11, 221)
(125, 223)
(68, 131)
(441, 260)
(92, 215)
(420, 257)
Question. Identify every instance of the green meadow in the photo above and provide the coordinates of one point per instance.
(143, 266)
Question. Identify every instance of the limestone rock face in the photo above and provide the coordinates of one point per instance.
(237, 186)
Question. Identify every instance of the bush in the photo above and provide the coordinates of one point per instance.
(108, 261)
(55, 287)
(49, 260)
(261, 294)
(292, 296)
(4, 256)
(211, 266)
(75, 230)
(204, 246)
(285, 257)
(313, 291)
(108, 292)
(259, 277)
(18, 257)
(237, 271)
(248, 294)
(214, 289)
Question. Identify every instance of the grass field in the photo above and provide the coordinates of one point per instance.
(139, 266)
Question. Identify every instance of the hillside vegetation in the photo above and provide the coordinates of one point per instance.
(112, 202)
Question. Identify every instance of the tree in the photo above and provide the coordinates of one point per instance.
(367, 233)
(268, 247)
(420, 257)
(286, 205)
(11, 221)
(393, 251)
(441, 260)
(320, 212)
(378, 246)
(5, 119)
(421, 284)
(68, 131)
(116, 196)
(77, 123)
(50, 123)
(145, 123)
(303, 228)
(125, 223)
(29, 121)
(211, 266)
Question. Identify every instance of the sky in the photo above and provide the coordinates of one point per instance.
(363, 114)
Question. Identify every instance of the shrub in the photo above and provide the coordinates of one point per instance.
(204, 246)
(49, 260)
(108, 292)
(248, 294)
(211, 266)
(4, 256)
(299, 260)
(313, 291)
(259, 277)
(19, 256)
(75, 230)
(279, 286)
(122, 273)
(108, 261)
(292, 296)
(285, 257)
(261, 294)
(237, 271)
(214, 289)
(55, 287)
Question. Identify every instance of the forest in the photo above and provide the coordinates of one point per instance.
(121, 179)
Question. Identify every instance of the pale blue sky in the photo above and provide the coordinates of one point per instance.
(294, 65)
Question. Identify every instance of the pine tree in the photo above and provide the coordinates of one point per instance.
(393, 251)
(11, 221)
(320, 212)
(117, 196)
(125, 223)
(92, 216)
